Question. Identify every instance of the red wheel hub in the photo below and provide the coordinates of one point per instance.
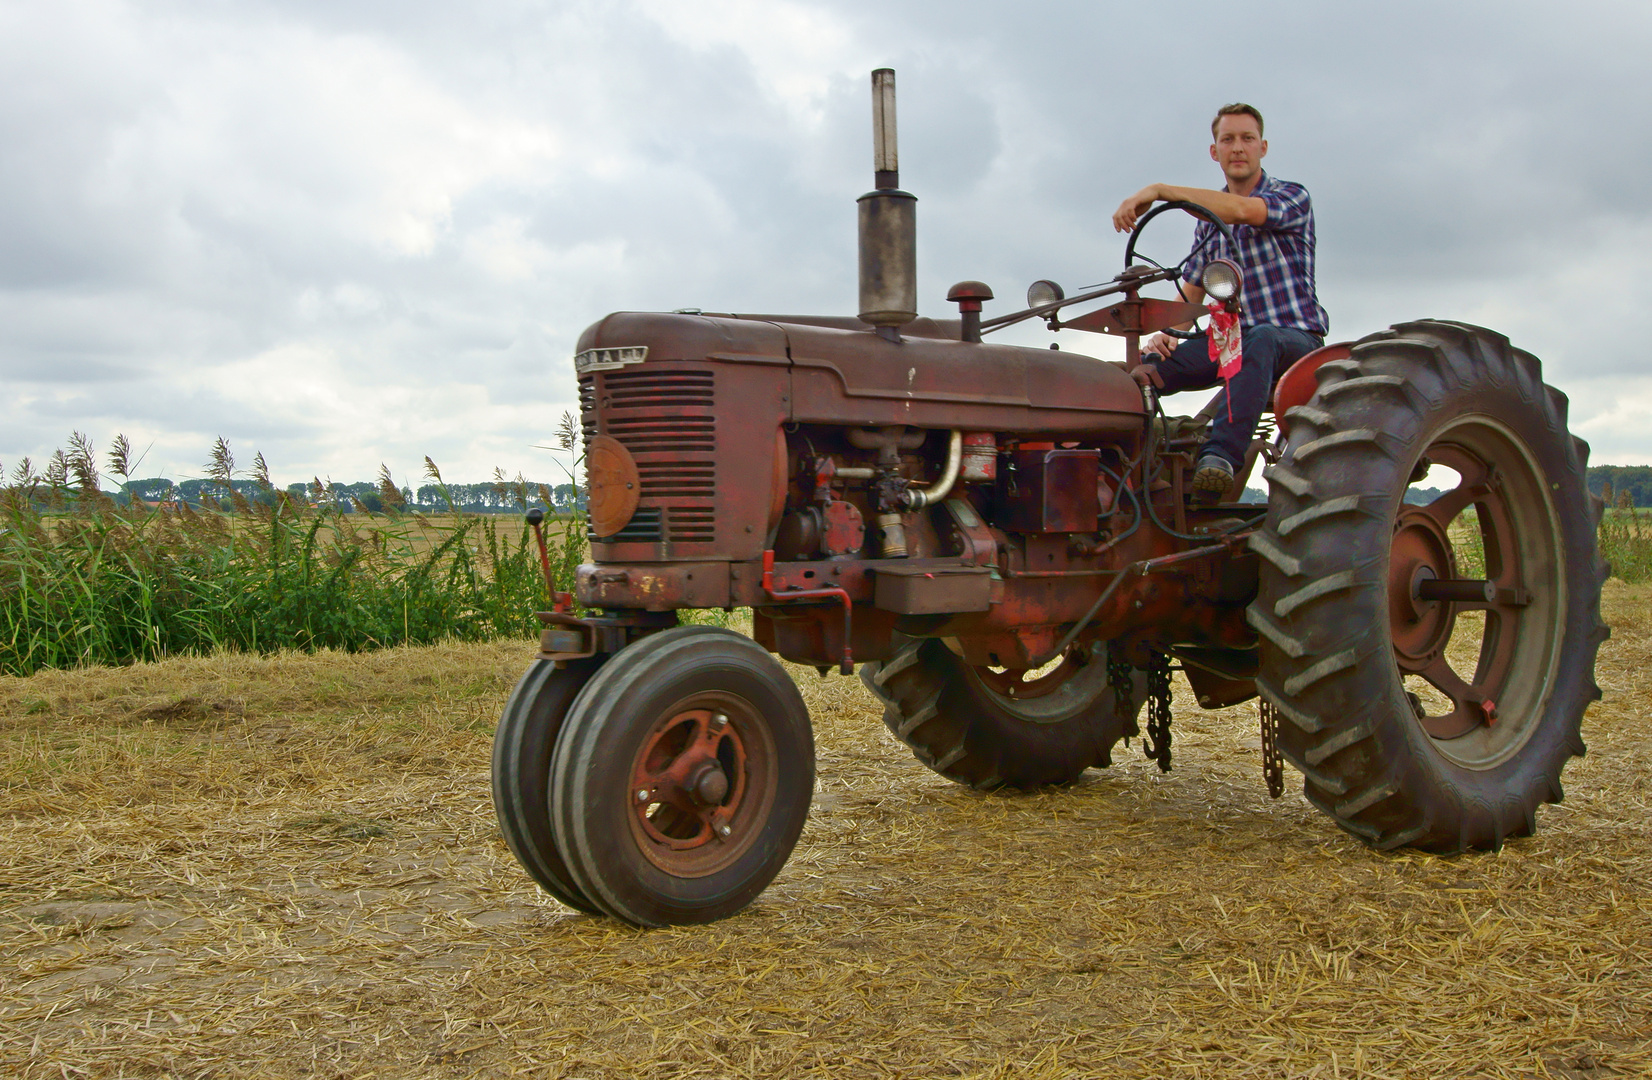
(1421, 551)
(699, 786)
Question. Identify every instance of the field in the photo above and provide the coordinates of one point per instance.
(288, 866)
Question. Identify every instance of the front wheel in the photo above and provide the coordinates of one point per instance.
(522, 749)
(682, 777)
(1431, 662)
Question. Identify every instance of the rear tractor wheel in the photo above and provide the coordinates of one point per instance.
(1430, 663)
(991, 728)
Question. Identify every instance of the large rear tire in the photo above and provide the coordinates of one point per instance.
(1417, 719)
(682, 777)
(990, 729)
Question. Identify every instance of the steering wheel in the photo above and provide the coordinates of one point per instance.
(1197, 211)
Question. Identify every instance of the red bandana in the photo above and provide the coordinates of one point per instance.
(1224, 340)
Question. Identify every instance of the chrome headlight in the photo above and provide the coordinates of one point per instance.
(1221, 280)
(1042, 292)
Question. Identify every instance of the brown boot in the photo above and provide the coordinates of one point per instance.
(1212, 478)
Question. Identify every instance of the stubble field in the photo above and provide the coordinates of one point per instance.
(288, 866)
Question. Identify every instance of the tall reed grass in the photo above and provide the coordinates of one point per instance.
(1626, 542)
(87, 579)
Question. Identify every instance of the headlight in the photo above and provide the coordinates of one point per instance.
(1220, 280)
(1040, 293)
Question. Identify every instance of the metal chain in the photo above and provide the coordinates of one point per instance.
(1157, 743)
(1273, 762)
(1121, 680)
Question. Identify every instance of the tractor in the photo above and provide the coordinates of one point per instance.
(1003, 539)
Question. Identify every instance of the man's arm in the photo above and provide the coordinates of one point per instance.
(1233, 209)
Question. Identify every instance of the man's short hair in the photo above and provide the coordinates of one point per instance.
(1238, 108)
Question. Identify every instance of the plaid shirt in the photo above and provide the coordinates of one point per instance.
(1277, 259)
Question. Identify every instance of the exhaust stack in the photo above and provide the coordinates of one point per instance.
(888, 225)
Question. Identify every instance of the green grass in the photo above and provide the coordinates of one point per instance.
(1626, 542)
(86, 581)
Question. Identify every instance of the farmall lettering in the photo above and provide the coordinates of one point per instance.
(1003, 541)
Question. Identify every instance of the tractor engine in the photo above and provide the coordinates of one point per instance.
(948, 488)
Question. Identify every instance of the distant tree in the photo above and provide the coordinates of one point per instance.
(150, 489)
(1612, 482)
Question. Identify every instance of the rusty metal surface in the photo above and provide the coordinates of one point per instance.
(1049, 491)
(888, 257)
(844, 529)
(848, 377)
(704, 490)
(788, 593)
(922, 326)
(813, 633)
(654, 586)
(1426, 593)
(706, 417)
(1298, 383)
(967, 534)
(702, 782)
(612, 484)
(917, 591)
(1137, 315)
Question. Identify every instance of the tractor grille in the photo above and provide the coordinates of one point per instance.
(665, 415)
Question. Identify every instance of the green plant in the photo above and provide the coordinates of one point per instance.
(1626, 543)
(86, 579)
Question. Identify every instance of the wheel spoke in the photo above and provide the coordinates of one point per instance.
(1467, 712)
(1473, 484)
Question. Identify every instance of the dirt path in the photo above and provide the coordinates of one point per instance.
(289, 867)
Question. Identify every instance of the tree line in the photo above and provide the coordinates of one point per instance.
(1615, 481)
(497, 497)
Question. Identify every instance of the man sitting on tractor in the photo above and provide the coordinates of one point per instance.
(1280, 316)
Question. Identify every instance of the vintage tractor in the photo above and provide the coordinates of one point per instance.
(1001, 537)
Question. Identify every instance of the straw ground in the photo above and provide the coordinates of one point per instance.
(288, 866)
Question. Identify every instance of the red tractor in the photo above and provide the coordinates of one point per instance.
(1003, 540)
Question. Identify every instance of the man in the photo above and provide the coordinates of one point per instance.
(1273, 229)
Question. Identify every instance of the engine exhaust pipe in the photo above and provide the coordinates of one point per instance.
(888, 225)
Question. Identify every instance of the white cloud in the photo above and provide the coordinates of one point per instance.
(347, 234)
(795, 50)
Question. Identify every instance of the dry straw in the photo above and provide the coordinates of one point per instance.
(288, 866)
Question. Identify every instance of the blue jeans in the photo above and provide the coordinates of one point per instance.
(1268, 352)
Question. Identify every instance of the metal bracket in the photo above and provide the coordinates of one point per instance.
(847, 665)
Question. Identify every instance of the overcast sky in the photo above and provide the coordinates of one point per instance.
(347, 233)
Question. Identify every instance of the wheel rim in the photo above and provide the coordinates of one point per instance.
(1479, 670)
(1045, 695)
(702, 783)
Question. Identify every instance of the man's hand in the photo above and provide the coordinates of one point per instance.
(1160, 344)
(1124, 218)
(1147, 375)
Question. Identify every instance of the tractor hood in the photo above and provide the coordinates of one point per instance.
(841, 371)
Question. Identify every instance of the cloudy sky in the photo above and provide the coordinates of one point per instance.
(361, 231)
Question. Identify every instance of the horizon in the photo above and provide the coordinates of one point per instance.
(347, 236)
